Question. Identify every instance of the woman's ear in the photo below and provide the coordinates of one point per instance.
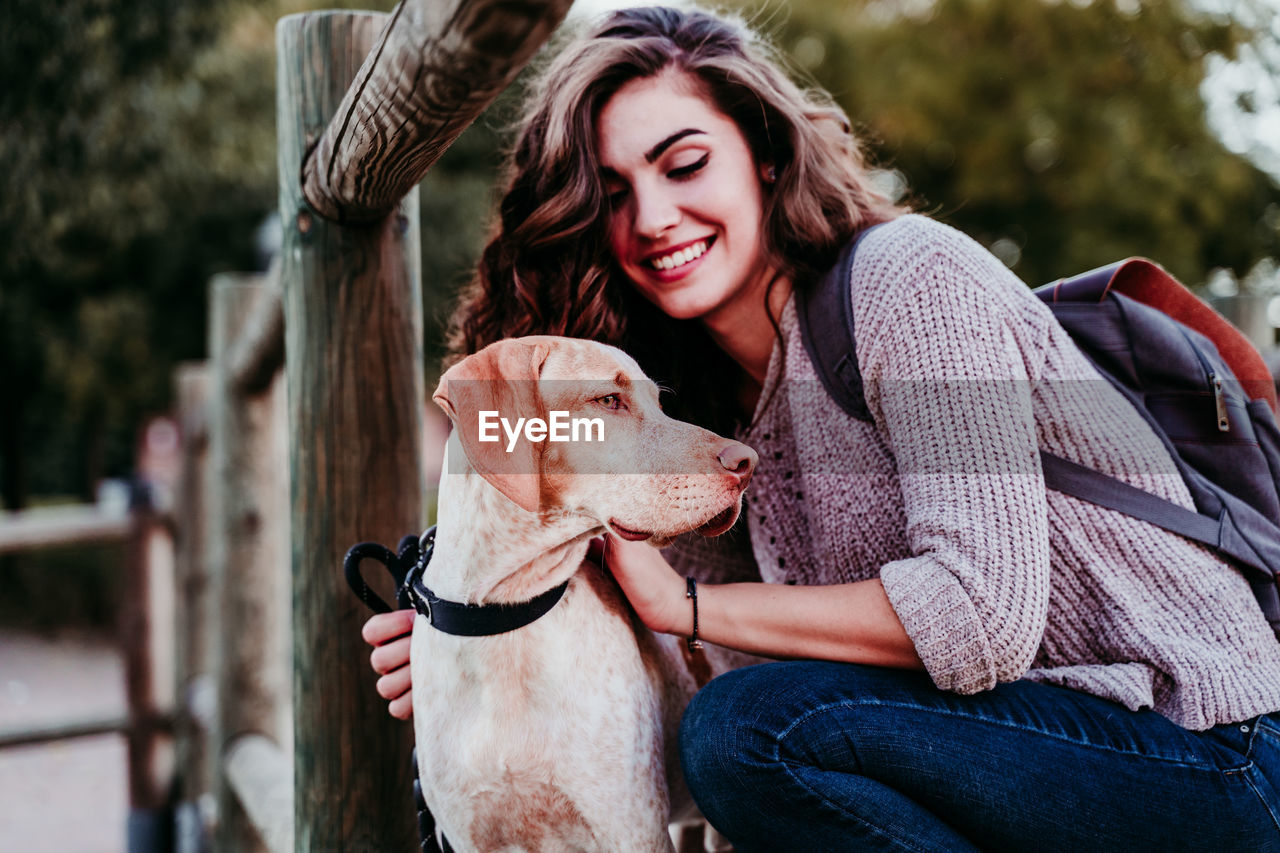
(768, 173)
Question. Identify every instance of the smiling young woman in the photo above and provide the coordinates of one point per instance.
(972, 661)
(567, 259)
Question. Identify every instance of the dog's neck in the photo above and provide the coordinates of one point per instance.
(510, 558)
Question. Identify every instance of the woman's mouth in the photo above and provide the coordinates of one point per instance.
(675, 261)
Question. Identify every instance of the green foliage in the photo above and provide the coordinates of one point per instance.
(1065, 134)
(139, 144)
(139, 141)
(129, 182)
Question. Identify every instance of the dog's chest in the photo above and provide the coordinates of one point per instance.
(551, 726)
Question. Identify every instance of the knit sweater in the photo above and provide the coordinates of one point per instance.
(994, 577)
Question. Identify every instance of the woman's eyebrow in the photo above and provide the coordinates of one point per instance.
(656, 151)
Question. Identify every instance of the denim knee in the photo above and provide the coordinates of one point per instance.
(722, 748)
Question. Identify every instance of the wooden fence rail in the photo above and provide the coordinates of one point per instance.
(85, 524)
(261, 775)
(436, 65)
(256, 357)
(145, 633)
(64, 729)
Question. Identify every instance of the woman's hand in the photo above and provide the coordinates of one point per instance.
(390, 635)
(653, 588)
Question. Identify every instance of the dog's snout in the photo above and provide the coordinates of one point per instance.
(738, 459)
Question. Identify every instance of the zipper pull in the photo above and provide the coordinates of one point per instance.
(1220, 401)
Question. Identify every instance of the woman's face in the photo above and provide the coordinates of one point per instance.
(686, 197)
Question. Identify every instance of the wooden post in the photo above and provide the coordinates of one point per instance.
(251, 593)
(192, 646)
(353, 357)
(435, 68)
(145, 616)
(257, 358)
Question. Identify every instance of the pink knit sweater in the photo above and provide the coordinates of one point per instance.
(942, 498)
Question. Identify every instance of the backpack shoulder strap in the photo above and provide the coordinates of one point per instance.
(1218, 529)
(826, 327)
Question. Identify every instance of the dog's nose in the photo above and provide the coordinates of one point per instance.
(738, 459)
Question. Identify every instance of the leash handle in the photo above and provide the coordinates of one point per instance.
(397, 565)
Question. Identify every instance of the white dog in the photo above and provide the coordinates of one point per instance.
(557, 735)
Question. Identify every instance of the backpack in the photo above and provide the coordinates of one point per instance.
(1199, 383)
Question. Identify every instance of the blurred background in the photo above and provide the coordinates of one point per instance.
(137, 159)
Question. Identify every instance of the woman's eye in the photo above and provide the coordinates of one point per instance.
(612, 402)
(615, 195)
(686, 171)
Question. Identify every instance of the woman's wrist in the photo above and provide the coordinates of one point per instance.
(673, 616)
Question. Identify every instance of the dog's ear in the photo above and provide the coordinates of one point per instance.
(500, 381)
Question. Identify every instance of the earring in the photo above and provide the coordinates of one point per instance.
(770, 174)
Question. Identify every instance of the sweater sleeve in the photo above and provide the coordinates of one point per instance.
(947, 342)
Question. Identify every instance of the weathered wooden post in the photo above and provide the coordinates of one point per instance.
(353, 354)
(246, 556)
(192, 640)
(145, 615)
(353, 321)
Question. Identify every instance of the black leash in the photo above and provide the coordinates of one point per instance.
(400, 566)
(407, 568)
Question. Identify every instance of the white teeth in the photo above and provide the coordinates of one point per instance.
(680, 258)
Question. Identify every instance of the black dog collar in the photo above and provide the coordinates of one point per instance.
(472, 620)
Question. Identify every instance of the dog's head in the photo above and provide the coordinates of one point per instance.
(573, 426)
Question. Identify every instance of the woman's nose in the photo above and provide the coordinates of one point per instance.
(656, 213)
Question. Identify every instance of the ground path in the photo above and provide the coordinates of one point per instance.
(66, 796)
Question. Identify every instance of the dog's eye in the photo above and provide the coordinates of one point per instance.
(612, 402)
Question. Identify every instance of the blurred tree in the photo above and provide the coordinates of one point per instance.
(139, 145)
(1063, 135)
(138, 140)
(125, 185)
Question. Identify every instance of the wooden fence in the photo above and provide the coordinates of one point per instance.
(144, 629)
(366, 104)
(317, 371)
(303, 435)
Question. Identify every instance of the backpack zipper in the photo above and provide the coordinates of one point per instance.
(1220, 401)
(1215, 383)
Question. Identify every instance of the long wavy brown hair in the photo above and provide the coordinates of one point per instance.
(548, 267)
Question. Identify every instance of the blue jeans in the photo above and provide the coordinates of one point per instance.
(813, 756)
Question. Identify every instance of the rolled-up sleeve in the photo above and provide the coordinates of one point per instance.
(949, 382)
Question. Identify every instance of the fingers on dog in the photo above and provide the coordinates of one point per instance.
(401, 707)
(394, 684)
(390, 656)
(387, 626)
